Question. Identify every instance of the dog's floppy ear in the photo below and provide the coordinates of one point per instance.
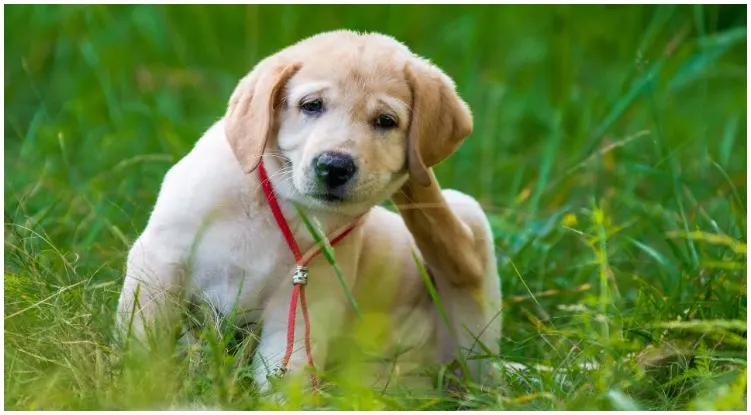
(440, 119)
(250, 119)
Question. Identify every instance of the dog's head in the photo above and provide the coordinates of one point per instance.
(347, 117)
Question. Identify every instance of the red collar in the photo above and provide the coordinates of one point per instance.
(300, 276)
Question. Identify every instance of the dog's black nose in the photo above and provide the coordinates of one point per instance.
(334, 169)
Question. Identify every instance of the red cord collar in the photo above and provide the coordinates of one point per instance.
(300, 276)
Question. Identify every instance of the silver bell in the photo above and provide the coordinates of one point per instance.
(300, 277)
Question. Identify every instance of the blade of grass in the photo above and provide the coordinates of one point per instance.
(328, 253)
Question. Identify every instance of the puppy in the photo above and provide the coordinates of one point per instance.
(341, 122)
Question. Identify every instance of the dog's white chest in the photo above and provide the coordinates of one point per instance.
(239, 262)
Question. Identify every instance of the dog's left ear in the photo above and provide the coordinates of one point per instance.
(251, 115)
(440, 122)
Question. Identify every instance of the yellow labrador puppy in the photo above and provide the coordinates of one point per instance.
(340, 122)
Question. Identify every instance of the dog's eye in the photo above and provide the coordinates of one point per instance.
(385, 121)
(312, 107)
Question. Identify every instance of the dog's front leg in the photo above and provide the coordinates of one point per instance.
(149, 300)
(328, 308)
(267, 362)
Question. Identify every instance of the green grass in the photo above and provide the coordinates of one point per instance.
(609, 154)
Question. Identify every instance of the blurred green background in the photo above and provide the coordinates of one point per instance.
(609, 152)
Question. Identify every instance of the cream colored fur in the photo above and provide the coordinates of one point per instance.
(212, 238)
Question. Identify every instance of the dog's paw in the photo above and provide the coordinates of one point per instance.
(275, 400)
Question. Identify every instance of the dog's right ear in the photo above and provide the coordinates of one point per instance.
(250, 119)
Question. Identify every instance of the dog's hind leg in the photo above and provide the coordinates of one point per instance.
(455, 239)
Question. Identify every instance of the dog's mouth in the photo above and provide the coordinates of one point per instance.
(328, 197)
(314, 192)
